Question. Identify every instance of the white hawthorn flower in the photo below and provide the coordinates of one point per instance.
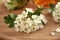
(29, 10)
(43, 18)
(56, 12)
(34, 16)
(24, 14)
(26, 24)
(27, 30)
(29, 22)
(58, 30)
(36, 27)
(22, 27)
(52, 33)
(18, 18)
(17, 27)
(57, 5)
(41, 26)
(36, 19)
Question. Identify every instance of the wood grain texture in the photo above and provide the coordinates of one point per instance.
(42, 34)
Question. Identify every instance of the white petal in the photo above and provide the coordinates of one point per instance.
(29, 10)
(27, 31)
(58, 30)
(34, 16)
(41, 26)
(43, 18)
(52, 33)
(16, 27)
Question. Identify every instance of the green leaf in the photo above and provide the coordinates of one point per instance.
(14, 1)
(11, 25)
(16, 4)
(52, 7)
(11, 6)
(6, 19)
(29, 14)
(20, 1)
(12, 15)
(10, 19)
(19, 6)
(38, 11)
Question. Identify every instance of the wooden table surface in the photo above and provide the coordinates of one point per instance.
(42, 34)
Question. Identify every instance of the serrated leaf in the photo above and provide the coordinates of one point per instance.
(11, 6)
(6, 19)
(12, 16)
(38, 11)
(10, 19)
(52, 7)
(11, 25)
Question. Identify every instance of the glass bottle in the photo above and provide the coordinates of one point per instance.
(45, 3)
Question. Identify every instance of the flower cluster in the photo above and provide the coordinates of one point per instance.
(14, 4)
(29, 24)
(56, 12)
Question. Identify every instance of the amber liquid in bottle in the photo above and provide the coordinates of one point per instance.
(45, 3)
(57, 0)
